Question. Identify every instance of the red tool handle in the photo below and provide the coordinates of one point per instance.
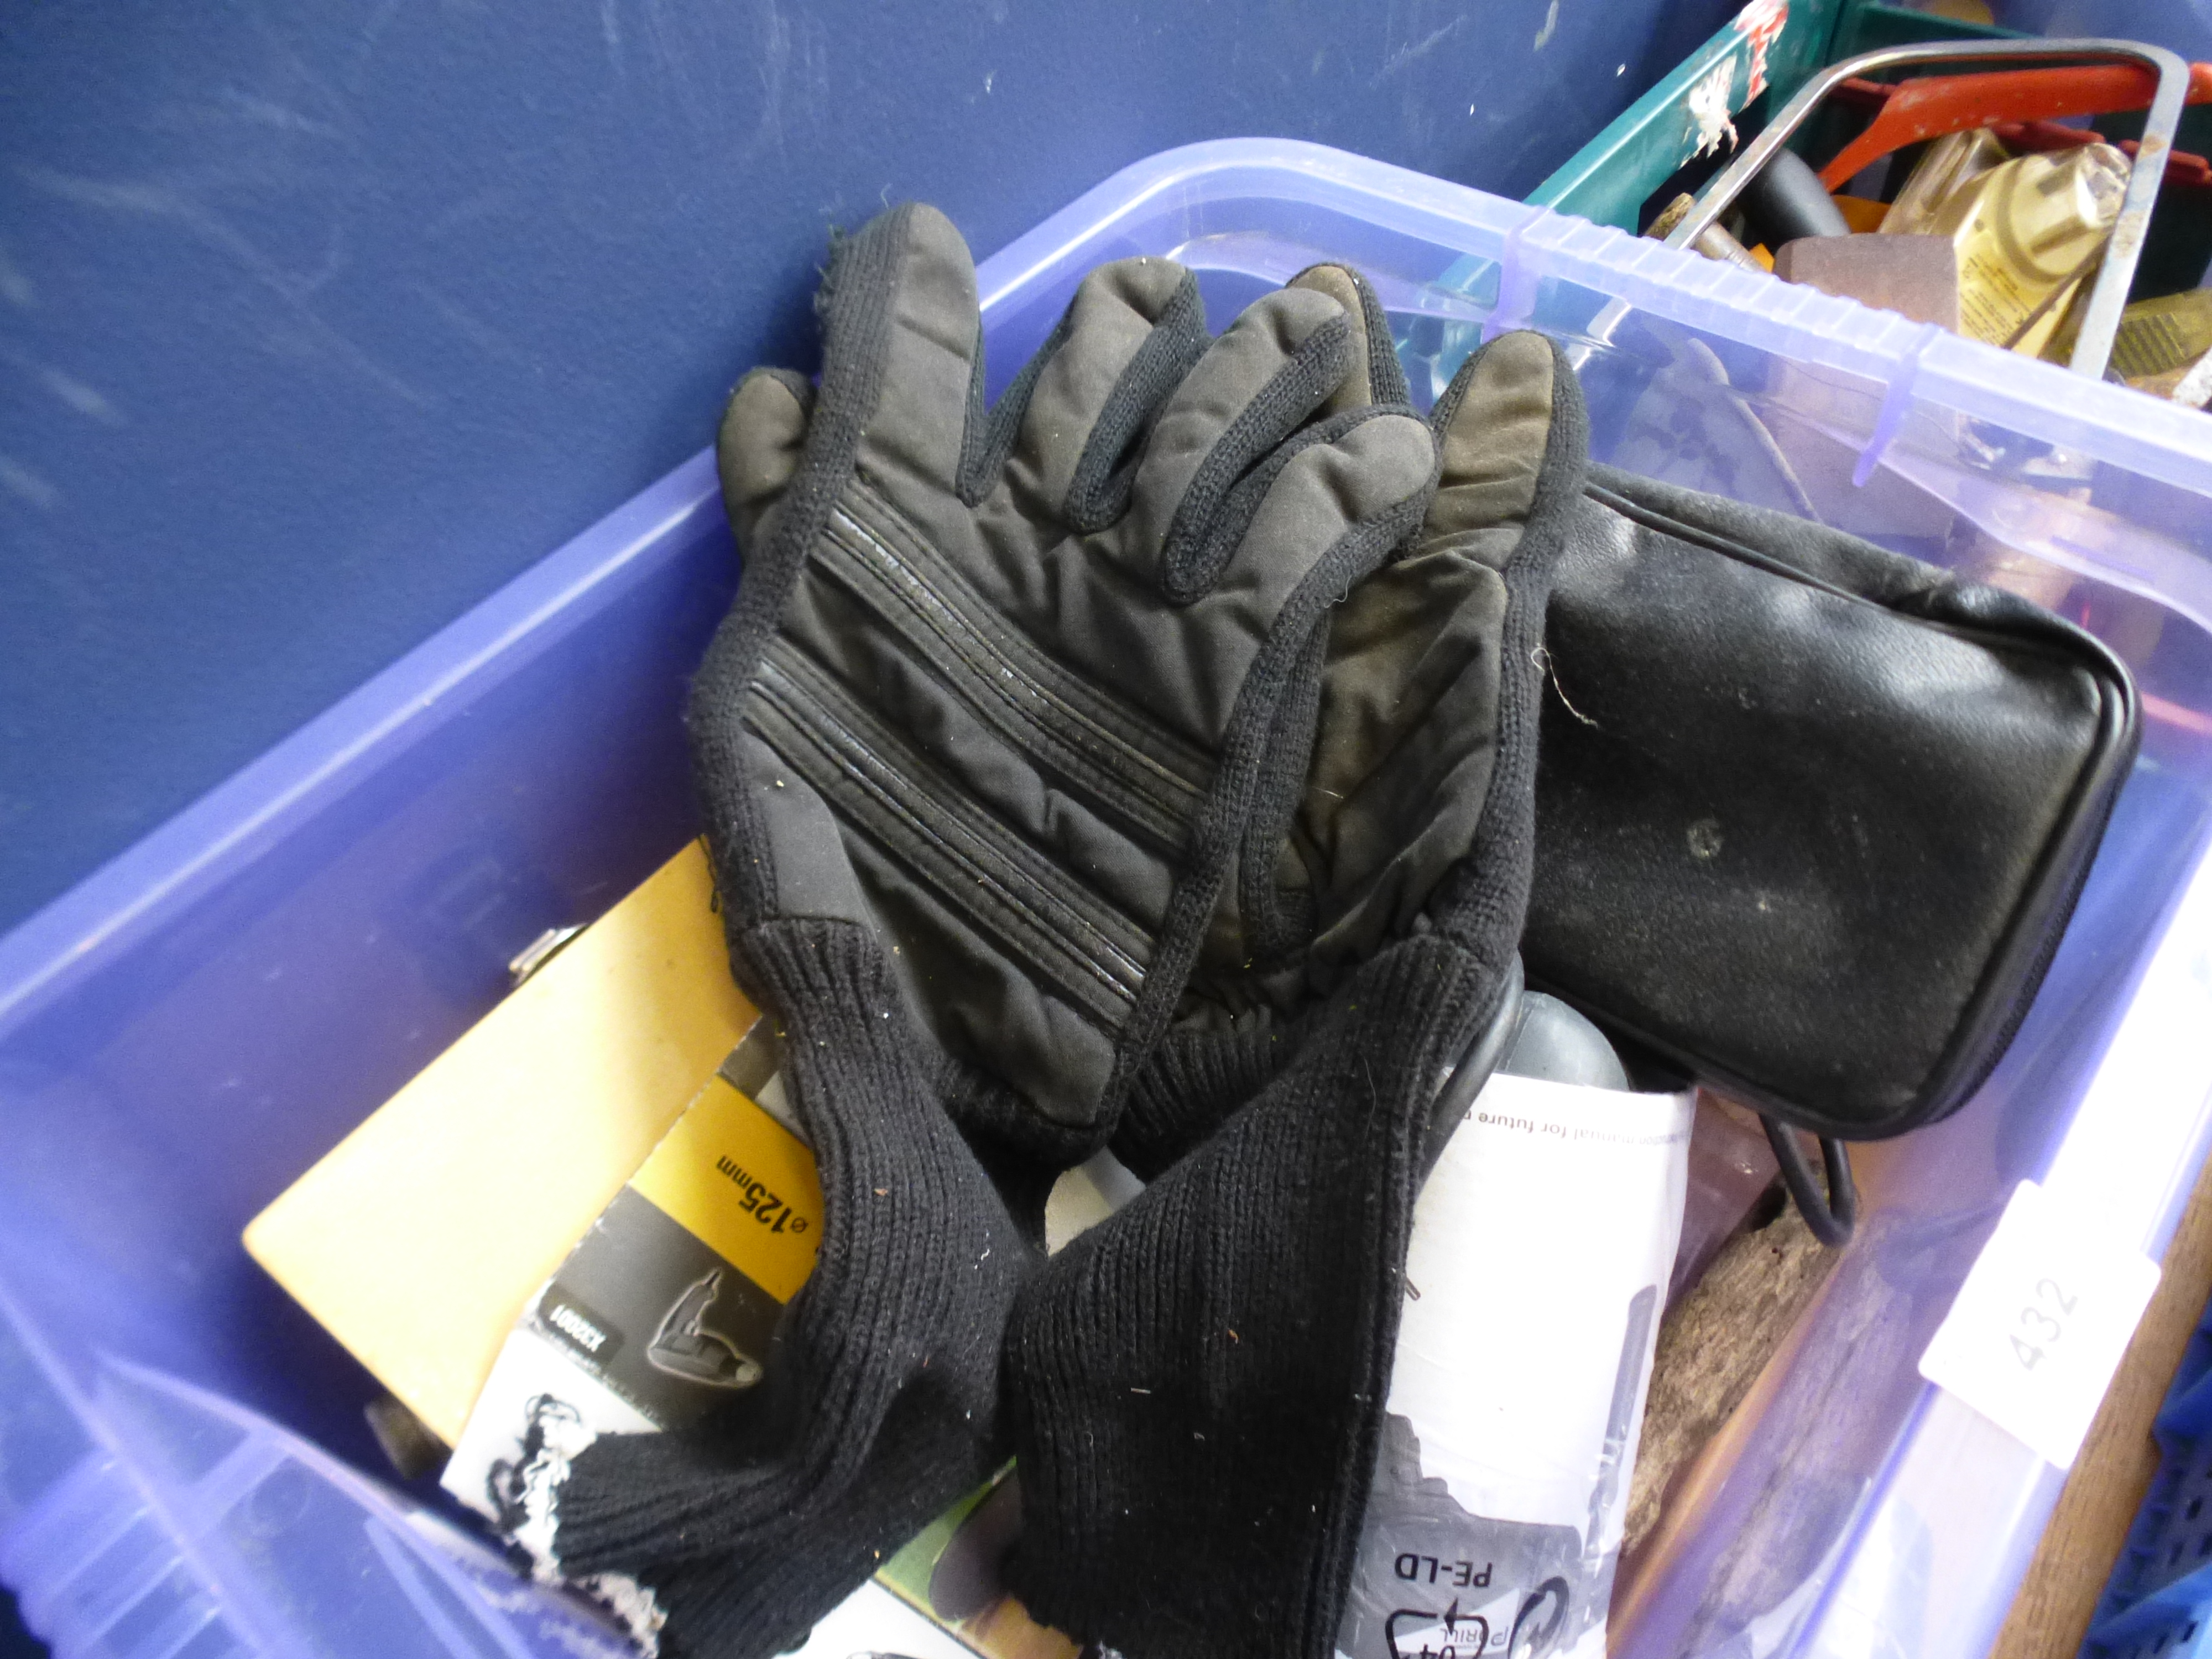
(1930, 107)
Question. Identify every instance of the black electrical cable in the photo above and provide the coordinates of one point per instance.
(1830, 1218)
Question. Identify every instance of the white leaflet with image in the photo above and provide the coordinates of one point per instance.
(1542, 1248)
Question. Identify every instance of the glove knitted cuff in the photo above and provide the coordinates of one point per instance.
(1196, 1390)
(881, 1384)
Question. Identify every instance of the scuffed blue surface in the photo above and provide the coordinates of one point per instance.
(319, 323)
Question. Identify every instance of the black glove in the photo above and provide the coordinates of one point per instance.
(1197, 1384)
(977, 745)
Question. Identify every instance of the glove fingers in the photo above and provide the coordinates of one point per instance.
(1272, 919)
(1364, 467)
(1407, 745)
(1255, 386)
(1494, 426)
(1132, 331)
(1376, 376)
(757, 450)
(1341, 494)
(927, 375)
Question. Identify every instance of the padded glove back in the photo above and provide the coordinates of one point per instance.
(998, 689)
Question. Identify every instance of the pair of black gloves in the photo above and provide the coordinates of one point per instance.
(1149, 762)
(1145, 762)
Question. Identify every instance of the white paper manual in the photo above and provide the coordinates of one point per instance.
(1540, 1252)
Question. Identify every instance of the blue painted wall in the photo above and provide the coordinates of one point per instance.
(319, 322)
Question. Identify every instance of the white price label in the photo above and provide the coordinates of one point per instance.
(2040, 1324)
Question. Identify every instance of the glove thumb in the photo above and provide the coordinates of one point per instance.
(762, 436)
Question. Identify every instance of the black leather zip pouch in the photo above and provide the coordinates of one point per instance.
(1811, 816)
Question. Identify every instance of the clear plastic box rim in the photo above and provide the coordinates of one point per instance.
(2103, 422)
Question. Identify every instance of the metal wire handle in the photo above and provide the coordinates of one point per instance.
(2101, 323)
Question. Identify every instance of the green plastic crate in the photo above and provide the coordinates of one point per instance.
(1769, 50)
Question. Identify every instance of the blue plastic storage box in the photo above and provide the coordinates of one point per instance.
(185, 1032)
